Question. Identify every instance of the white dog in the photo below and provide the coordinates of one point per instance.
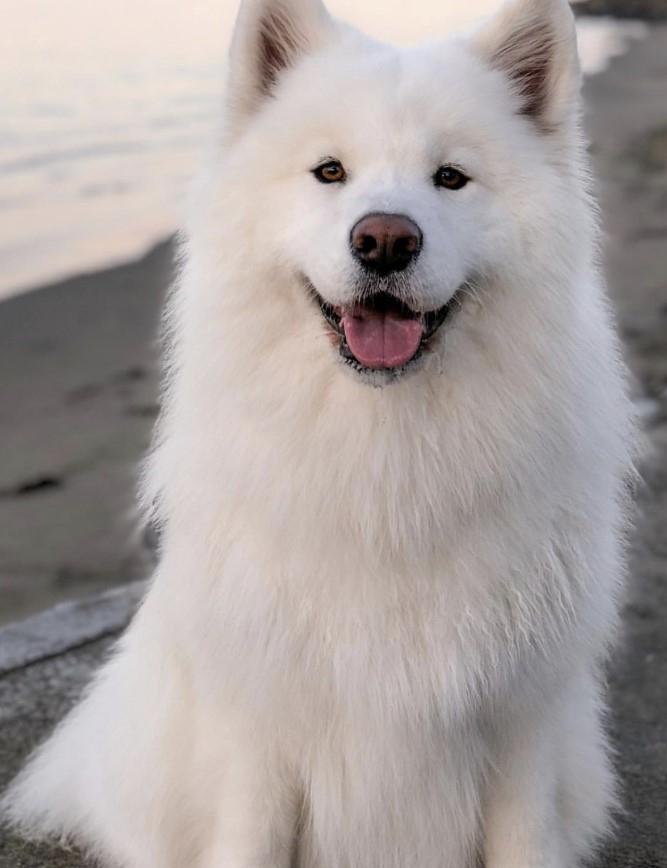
(390, 475)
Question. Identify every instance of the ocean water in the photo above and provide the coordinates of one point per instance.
(106, 106)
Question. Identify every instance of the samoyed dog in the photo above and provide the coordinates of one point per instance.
(390, 475)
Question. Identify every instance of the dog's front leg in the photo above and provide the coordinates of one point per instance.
(522, 826)
(257, 815)
(552, 788)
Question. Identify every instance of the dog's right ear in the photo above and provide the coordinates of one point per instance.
(270, 36)
(534, 43)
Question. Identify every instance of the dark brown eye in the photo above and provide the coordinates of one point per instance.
(450, 178)
(331, 172)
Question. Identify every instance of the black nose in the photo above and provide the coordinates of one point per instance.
(386, 242)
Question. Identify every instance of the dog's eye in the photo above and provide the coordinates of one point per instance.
(450, 178)
(331, 172)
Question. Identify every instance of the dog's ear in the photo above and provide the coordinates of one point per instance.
(534, 43)
(270, 36)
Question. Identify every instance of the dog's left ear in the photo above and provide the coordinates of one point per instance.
(271, 36)
(534, 43)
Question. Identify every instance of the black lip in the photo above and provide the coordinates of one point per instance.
(433, 320)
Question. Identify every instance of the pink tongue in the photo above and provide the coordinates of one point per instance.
(382, 339)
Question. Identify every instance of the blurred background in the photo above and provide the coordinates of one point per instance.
(104, 110)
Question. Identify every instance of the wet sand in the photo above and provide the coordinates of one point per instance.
(78, 363)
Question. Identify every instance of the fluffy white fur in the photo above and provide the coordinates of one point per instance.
(375, 636)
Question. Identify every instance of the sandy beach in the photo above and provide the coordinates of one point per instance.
(79, 386)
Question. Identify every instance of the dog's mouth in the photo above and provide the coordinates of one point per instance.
(383, 333)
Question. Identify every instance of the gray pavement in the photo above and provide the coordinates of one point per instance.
(627, 118)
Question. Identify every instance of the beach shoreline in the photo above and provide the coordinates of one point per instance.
(90, 189)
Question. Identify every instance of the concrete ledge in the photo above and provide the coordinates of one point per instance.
(46, 662)
(67, 626)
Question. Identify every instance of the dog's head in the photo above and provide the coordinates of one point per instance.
(392, 187)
